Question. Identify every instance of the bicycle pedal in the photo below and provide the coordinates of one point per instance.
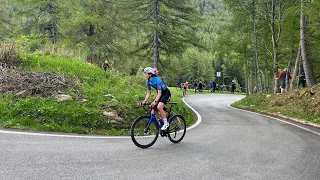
(163, 133)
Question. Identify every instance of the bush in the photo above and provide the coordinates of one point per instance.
(31, 44)
(8, 56)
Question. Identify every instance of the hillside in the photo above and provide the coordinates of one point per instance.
(101, 102)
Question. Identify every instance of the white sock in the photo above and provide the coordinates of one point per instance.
(165, 121)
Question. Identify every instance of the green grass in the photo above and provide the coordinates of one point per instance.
(46, 114)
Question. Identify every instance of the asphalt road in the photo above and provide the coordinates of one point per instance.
(227, 144)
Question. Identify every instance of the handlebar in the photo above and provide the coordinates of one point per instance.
(165, 109)
(143, 106)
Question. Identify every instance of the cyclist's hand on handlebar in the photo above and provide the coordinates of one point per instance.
(142, 104)
(153, 104)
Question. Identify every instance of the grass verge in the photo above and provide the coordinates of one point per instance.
(303, 104)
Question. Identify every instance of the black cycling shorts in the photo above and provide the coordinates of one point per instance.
(164, 98)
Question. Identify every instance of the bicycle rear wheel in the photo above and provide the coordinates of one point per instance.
(142, 134)
(177, 128)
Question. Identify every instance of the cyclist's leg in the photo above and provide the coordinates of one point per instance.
(163, 116)
(160, 106)
(161, 110)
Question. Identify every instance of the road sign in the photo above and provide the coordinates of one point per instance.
(218, 74)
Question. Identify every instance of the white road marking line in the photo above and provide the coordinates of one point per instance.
(198, 115)
(63, 135)
(279, 120)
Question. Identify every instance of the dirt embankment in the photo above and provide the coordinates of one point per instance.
(33, 83)
(306, 101)
(28, 83)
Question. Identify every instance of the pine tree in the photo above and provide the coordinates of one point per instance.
(169, 26)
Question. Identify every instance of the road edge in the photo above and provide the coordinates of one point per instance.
(284, 119)
(199, 118)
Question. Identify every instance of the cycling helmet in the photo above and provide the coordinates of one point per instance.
(149, 70)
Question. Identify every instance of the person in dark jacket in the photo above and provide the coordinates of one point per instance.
(195, 86)
(105, 65)
(302, 79)
(233, 86)
(200, 86)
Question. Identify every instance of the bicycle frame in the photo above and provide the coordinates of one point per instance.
(153, 117)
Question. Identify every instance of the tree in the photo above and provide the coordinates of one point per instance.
(40, 17)
(6, 13)
(171, 24)
(305, 61)
(274, 43)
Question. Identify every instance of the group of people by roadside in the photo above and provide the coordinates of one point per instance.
(233, 86)
(286, 74)
(213, 87)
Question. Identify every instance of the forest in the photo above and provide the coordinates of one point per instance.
(188, 40)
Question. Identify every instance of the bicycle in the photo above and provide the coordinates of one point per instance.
(146, 128)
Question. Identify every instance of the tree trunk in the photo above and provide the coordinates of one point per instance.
(296, 68)
(53, 30)
(155, 33)
(256, 67)
(247, 77)
(289, 66)
(252, 76)
(266, 68)
(265, 74)
(305, 61)
(275, 46)
(53, 24)
(247, 73)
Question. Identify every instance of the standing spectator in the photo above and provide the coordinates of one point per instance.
(185, 88)
(105, 65)
(195, 86)
(233, 86)
(211, 85)
(214, 85)
(302, 79)
(90, 62)
(283, 76)
(200, 86)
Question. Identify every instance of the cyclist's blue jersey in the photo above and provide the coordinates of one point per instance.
(156, 83)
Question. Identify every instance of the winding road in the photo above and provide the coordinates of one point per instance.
(227, 144)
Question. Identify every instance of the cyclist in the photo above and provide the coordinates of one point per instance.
(163, 93)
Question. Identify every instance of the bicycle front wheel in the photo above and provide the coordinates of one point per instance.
(143, 134)
(177, 128)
